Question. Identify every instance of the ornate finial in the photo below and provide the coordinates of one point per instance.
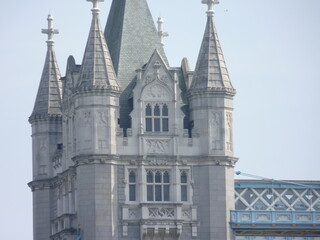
(95, 9)
(161, 33)
(50, 31)
(210, 4)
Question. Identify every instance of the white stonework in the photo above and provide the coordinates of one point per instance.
(167, 175)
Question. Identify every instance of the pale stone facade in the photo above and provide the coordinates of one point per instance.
(127, 147)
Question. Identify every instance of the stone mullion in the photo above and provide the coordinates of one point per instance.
(142, 184)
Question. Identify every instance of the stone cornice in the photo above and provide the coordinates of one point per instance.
(97, 89)
(40, 184)
(63, 177)
(45, 118)
(215, 91)
(158, 161)
(95, 159)
(49, 183)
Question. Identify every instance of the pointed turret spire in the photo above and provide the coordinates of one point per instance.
(97, 68)
(49, 93)
(211, 71)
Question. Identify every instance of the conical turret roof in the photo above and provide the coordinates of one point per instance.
(211, 71)
(48, 100)
(97, 68)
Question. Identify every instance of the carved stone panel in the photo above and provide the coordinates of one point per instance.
(157, 146)
(83, 129)
(229, 140)
(161, 212)
(215, 128)
(155, 92)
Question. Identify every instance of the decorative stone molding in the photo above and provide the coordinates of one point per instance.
(157, 162)
(57, 158)
(187, 214)
(40, 184)
(62, 226)
(161, 212)
(45, 118)
(155, 92)
(157, 146)
(95, 159)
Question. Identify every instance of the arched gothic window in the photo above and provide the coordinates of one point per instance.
(158, 186)
(184, 186)
(157, 118)
(132, 186)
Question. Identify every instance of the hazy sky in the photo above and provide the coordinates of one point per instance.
(272, 50)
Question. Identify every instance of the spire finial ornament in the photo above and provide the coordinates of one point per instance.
(210, 4)
(50, 31)
(161, 33)
(95, 9)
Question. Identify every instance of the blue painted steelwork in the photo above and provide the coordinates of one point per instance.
(275, 219)
(276, 237)
(274, 185)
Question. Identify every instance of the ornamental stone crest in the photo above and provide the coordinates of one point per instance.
(155, 212)
(155, 92)
(216, 131)
(158, 146)
(229, 132)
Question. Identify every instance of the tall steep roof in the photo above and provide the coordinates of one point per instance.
(211, 71)
(48, 98)
(131, 36)
(97, 68)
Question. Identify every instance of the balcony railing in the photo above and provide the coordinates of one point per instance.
(267, 219)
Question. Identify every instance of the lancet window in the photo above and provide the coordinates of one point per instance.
(184, 186)
(158, 186)
(157, 118)
(132, 186)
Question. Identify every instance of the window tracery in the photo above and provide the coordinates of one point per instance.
(184, 186)
(132, 186)
(158, 186)
(157, 118)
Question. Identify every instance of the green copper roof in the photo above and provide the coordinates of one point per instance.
(132, 38)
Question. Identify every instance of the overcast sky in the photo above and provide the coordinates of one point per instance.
(272, 50)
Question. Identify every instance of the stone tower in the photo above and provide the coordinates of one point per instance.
(126, 146)
(46, 123)
(211, 106)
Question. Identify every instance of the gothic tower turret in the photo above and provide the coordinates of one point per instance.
(46, 122)
(211, 106)
(168, 173)
(94, 112)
